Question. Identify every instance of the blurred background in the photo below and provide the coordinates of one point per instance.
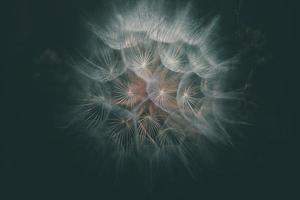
(39, 161)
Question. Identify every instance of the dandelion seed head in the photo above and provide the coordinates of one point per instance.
(162, 77)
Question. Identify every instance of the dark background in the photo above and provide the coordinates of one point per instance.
(39, 162)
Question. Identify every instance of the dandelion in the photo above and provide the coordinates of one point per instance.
(161, 81)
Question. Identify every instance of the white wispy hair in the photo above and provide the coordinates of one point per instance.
(163, 81)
